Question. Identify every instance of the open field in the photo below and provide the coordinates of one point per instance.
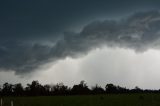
(88, 100)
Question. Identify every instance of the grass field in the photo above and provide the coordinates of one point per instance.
(89, 100)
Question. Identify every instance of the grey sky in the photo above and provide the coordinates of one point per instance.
(37, 33)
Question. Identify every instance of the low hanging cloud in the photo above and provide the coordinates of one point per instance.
(139, 31)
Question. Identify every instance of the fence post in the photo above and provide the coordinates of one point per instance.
(11, 103)
(1, 102)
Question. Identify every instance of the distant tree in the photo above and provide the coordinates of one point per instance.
(97, 89)
(18, 89)
(0, 90)
(60, 89)
(82, 88)
(137, 90)
(47, 89)
(7, 89)
(35, 88)
(110, 88)
(122, 89)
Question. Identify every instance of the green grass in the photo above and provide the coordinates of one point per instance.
(87, 100)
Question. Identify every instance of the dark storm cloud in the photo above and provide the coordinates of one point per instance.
(31, 31)
(140, 31)
(36, 19)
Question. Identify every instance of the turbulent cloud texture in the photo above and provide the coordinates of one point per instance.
(139, 31)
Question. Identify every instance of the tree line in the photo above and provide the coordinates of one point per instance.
(37, 89)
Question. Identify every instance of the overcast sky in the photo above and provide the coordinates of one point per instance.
(99, 41)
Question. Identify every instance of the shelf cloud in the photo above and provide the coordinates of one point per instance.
(139, 31)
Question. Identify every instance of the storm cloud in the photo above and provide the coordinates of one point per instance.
(139, 31)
